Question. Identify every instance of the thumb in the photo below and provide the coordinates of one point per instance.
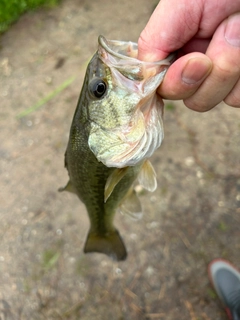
(172, 24)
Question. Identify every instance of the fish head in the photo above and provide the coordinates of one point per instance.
(123, 109)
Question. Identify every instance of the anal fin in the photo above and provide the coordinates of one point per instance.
(131, 205)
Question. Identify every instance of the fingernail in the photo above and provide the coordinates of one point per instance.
(232, 31)
(196, 70)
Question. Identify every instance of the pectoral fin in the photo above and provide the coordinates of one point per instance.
(147, 176)
(112, 181)
(131, 205)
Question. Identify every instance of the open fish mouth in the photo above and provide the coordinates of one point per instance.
(142, 133)
(123, 55)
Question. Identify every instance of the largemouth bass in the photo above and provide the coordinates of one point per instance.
(116, 127)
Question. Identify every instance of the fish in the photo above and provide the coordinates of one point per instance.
(116, 127)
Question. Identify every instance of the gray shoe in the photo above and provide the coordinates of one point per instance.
(225, 279)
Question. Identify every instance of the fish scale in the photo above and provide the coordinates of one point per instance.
(110, 122)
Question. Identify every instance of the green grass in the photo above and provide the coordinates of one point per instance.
(11, 10)
(170, 106)
(44, 100)
(50, 258)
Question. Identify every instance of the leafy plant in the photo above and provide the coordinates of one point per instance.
(11, 10)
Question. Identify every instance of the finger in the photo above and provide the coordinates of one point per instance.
(185, 76)
(224, 51)
(233, 99)
(196, 45)
(168, 30)
(174, 23)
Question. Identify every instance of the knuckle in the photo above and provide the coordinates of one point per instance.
(145, 39)
(199, 106)
(142, 39)
(225, 70)
(233, 100)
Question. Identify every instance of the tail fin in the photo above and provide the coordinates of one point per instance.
(110, 244)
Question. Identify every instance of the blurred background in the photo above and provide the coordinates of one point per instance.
(193, 216)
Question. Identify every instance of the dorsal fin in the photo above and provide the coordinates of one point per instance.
(69, 187)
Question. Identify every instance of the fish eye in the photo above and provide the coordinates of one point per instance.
(97, 88)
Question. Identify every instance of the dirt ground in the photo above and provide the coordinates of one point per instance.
(193, 216)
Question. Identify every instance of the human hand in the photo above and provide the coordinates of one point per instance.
(207, 35)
